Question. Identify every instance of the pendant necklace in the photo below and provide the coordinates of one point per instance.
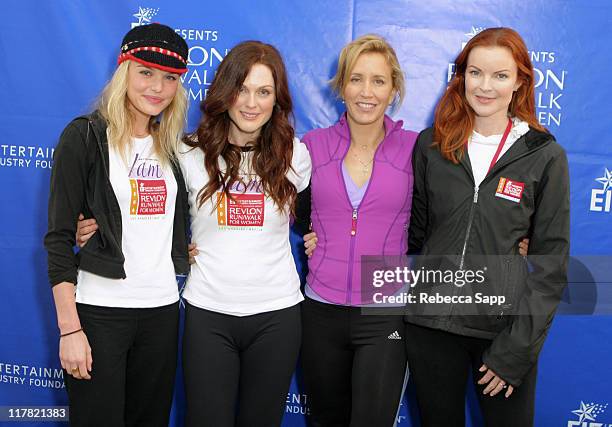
(366, 166)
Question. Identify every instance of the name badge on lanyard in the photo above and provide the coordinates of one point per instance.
(510, 190)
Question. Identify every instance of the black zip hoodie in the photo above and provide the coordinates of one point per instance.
(457, 226)
(80, 184)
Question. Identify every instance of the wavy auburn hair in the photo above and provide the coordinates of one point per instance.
(454, 118)
(273, 148)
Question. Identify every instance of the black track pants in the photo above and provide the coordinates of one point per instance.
(237, 370)
(441, 364)
(134, 353)
(353, 365)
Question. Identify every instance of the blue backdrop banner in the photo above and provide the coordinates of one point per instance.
(56, 57)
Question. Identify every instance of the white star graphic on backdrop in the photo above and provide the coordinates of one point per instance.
(141, 15)
(473, 31)
(145, 14)
(606, 180)
(585, 412)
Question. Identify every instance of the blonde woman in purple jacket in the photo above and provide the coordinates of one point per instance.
(354, 364)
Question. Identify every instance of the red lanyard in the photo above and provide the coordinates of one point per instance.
(500, 145)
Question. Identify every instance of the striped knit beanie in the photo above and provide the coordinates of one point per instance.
(157, 46)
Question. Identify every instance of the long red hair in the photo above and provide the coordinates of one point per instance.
(454, 118)
(273, 149)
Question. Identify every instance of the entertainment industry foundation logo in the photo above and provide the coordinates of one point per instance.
(297, 403)
(205, 54)
(601, 198)
(26, 156)
(549, 82)
(588, 412)
(31, 375)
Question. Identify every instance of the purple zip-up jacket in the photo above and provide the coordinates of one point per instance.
(379, 224)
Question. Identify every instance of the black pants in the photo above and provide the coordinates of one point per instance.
(237, 370)
(440, 364)
(134, 353)
(353, 365)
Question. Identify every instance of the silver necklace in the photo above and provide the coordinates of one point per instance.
(366, 166)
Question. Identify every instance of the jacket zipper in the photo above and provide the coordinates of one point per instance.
(493, 172)
(469, 227)
(488, 177)
(354, 215)
(351, 256)
(354, 223)
(505, 288)
(106, 167)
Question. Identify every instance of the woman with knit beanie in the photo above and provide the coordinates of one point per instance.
(119, 326)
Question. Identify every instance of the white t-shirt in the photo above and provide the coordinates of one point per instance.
(244, 265)
(146, 192)
(481, 149)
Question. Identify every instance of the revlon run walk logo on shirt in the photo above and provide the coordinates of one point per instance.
(245, 207)
(149, 193)
(510, 190)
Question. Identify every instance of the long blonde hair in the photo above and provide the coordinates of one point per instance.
(113, 106)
